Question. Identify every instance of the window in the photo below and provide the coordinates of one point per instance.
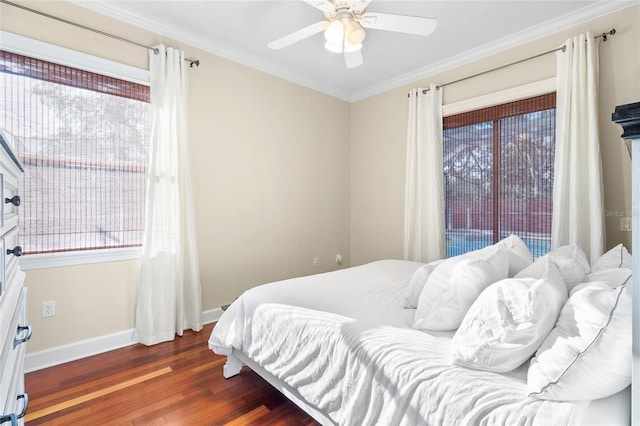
(498, 166)
(82, 138)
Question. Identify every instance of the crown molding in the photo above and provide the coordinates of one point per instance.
(588, 13)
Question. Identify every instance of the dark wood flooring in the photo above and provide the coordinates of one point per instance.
(177, 383)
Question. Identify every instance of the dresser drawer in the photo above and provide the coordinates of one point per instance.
(12, 251)
(3, 281)
(9, 300)
(10, 203)
(12, 357)
(17, 399)
(10, 197)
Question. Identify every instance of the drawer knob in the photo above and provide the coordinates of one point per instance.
(15, 200)
(16, 251)
(25, 339)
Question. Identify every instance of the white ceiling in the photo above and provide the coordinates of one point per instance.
(467, 30)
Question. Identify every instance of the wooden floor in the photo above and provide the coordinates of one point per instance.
(177, 383)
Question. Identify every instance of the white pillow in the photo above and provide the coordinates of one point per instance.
(454, 285)
(519, 258)
(538, 269)
(588, 354)
(571, 262)
(617, 257)
(420, 276)
(519, 255)
(416, 284)
(508, 322)
(614, 277)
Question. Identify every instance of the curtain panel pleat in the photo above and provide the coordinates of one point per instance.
(169, 296)
(578, 189)
(424, 232)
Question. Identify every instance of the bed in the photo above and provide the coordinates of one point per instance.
(342, 346)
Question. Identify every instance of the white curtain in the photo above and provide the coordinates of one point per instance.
(169, 298)
(424, 232)
(577, 189)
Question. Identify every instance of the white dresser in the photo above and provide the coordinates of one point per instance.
(14, 330)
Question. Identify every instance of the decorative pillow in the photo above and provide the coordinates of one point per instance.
(617, 257)
(416, 284)
(588, 354)
(571, 262)
(509, 320)
(454, 285)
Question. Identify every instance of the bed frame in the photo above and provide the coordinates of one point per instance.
(234, 364)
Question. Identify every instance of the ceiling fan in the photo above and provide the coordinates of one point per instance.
(345, 23)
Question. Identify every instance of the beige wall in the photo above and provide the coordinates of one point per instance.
(283, 174)
(270, 165)
(378, 131)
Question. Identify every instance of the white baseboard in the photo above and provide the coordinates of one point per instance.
(211, 315)
(82, 349)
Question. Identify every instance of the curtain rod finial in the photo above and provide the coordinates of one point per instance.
(605, 36)
(196, 63)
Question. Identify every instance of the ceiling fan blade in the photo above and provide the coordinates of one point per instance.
(299, 35)
(399, 23)
(353, 59)
(323, 5)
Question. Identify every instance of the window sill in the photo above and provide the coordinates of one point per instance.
(54, 260)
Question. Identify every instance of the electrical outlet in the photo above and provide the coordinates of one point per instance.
(339, 259)
(625, 224)
(48, 309)
(316, 261)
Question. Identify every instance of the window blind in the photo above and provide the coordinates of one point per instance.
(498, 165)
(82, 138)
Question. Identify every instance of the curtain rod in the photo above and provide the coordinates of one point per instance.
(192, 62)
(604, 36)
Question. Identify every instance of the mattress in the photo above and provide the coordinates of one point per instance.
(343, 341)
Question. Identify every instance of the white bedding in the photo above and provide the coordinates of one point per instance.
(344, 342)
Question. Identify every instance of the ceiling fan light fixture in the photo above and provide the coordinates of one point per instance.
(355, 33)
(334, 32)
(333, 46)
